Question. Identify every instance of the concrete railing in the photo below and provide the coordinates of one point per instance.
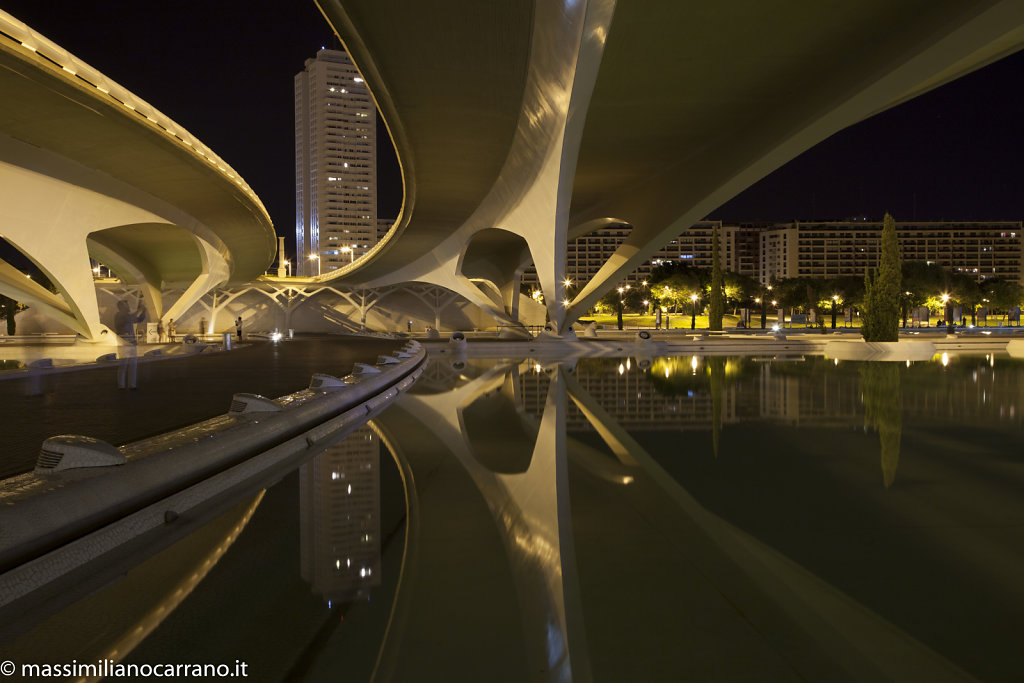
(82, 486)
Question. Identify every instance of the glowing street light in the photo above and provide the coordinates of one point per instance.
(351, 253)
(693, 312)
(835, 300)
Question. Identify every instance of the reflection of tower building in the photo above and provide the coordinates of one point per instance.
(335, 164)
(339, 501)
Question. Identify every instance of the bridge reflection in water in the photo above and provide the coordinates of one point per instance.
(618, 519)
(640, 542)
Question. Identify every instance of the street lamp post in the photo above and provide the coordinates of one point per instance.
(619, 309)
(351, 253)
(835, 300)
(693, 312)
(316, 257)
(764, 304)
(947, 314)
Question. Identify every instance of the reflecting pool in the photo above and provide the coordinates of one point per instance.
(687, 518)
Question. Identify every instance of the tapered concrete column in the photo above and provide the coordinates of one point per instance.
(49, 220)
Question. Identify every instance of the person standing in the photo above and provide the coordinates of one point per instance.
(170, 330)
(238, 328)
(202, 326)
(160, 331)
(124, 326)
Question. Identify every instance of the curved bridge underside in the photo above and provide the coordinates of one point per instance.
(548, 119)
(90, 171)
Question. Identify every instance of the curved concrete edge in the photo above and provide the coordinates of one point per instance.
(901, 351)
(47, 512)
(1015, 347)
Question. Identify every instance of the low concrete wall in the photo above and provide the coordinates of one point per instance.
(42, 511)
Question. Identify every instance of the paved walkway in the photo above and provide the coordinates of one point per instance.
(171, 393)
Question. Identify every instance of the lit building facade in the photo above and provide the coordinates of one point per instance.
(775, 251)
(335, 164)
(983, 250)
(585, 255)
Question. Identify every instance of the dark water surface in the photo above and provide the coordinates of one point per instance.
(695, 518)
(171, 393)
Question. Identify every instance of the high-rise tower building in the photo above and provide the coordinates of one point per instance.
(335, 164)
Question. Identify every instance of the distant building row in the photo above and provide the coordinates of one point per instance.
(766, 251)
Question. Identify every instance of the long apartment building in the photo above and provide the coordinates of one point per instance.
(335, 164)
(769, 251)
(981, 250)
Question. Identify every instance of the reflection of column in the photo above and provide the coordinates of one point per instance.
(529, 502)
(339, 514)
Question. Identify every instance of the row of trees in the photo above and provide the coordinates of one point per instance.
(892, 291)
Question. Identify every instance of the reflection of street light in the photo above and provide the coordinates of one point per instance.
(316, 257)
(693, 313)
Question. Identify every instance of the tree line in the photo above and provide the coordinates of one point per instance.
(671, 286)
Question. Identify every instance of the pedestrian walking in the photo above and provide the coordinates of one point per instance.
(124, 326)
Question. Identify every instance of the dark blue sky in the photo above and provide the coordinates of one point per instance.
(224, 69)
(953, 153)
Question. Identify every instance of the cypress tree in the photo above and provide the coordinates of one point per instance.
(716, 307)
(881, 319)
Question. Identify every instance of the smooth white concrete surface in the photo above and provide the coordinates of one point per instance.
(703, 123)
(89, 170)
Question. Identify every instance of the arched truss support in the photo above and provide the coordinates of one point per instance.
(218, 299)
(437, 298)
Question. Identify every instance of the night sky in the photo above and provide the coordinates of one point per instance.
(223, 69)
